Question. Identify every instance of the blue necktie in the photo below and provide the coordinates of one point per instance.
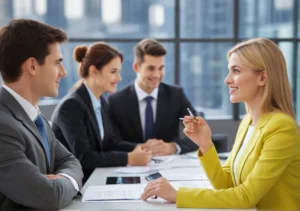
(149, 122)
(99, 120)
(39, 122)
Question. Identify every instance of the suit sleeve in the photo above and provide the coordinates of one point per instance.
(73, 127)
(22, 182)
(280, 145)
(115, 141)
(185, 143)
(66, 163)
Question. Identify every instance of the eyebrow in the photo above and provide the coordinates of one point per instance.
(234, 66)
(58, 60)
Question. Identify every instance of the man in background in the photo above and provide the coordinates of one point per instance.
(148, 111)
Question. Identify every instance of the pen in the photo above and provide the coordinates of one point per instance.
(191, 114)
(157, 160)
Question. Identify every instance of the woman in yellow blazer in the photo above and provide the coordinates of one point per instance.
(263, 169)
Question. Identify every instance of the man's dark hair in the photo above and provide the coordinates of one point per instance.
(22, 39)
(148, 47)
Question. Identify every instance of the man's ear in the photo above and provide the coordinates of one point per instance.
(135, 67)
(30, 65)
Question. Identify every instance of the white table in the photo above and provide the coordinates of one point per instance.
(99, 178)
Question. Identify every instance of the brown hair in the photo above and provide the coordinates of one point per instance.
(99, 54)
(22, 39)
(261, 54)
(148, 47)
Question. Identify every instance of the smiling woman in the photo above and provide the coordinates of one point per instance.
(80, 121)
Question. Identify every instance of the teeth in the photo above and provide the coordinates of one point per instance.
(233, 88)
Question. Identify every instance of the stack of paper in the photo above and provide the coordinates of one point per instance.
(113, 192)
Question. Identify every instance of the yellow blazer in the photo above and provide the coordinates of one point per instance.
(268, 173)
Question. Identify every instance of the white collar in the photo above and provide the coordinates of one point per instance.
(30, 110)
(141, 94)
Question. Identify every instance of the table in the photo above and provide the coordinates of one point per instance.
(99, 178)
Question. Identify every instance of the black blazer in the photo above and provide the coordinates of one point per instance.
(171, 105)
(75, 125)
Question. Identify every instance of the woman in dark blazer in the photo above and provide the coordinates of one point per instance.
(80, 120)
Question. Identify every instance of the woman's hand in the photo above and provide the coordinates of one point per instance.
(197, 129)
(160, 188)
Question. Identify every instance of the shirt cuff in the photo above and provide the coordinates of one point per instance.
(178, 149)
(74, 182)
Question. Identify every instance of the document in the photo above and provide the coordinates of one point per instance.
(183, 174)
(192, 184)
(113, 192)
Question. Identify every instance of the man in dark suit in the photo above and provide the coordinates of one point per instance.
(36, 171)
(148, 111)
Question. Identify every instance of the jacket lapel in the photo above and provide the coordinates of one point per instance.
(255, 136)
(161, 108)
(135, 112)
(84, 94)
(241, 133)
(19, 113)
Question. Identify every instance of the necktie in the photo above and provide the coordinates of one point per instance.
(39, 122)
(99, 120)
(149, 122)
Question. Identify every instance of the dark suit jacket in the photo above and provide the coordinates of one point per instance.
(23, 163)
(171, 105)
(75, 126)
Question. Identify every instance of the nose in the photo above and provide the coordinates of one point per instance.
(119, 77)
(62, 71)
(228, 79)
(156, 73)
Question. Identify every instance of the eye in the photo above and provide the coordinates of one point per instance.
(235, 71)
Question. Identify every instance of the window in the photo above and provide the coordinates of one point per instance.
(196, 33)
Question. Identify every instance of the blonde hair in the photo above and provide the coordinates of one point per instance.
(261, 54)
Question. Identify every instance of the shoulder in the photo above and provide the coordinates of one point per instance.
(72, 101)
(122, 93)
(279, 120)
(169, 87)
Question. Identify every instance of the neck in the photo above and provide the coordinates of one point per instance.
(95, 90)
(144, 88)
(254, 108)
(24, 91)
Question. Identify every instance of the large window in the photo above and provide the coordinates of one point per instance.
(196, 33)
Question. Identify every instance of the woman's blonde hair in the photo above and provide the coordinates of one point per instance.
(261, 54)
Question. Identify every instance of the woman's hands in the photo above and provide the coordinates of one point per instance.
(197, 129)
(160, 188)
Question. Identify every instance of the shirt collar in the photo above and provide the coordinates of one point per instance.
(95, 102)
(30, 110)
(141, 94)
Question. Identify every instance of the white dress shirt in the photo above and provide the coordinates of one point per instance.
(141, 95)
(32, 112)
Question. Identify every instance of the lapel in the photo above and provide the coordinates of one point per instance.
(255, 136)
(84, 94)
(238, 141)
(161, 108)
(135, 112)
(19, 113)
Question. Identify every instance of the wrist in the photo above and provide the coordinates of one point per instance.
(206, 147)
(129, 158)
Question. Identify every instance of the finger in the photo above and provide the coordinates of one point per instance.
(149, 193)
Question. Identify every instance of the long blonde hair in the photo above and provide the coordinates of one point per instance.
(261, 54)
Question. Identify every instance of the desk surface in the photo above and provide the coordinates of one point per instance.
(99, 178)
